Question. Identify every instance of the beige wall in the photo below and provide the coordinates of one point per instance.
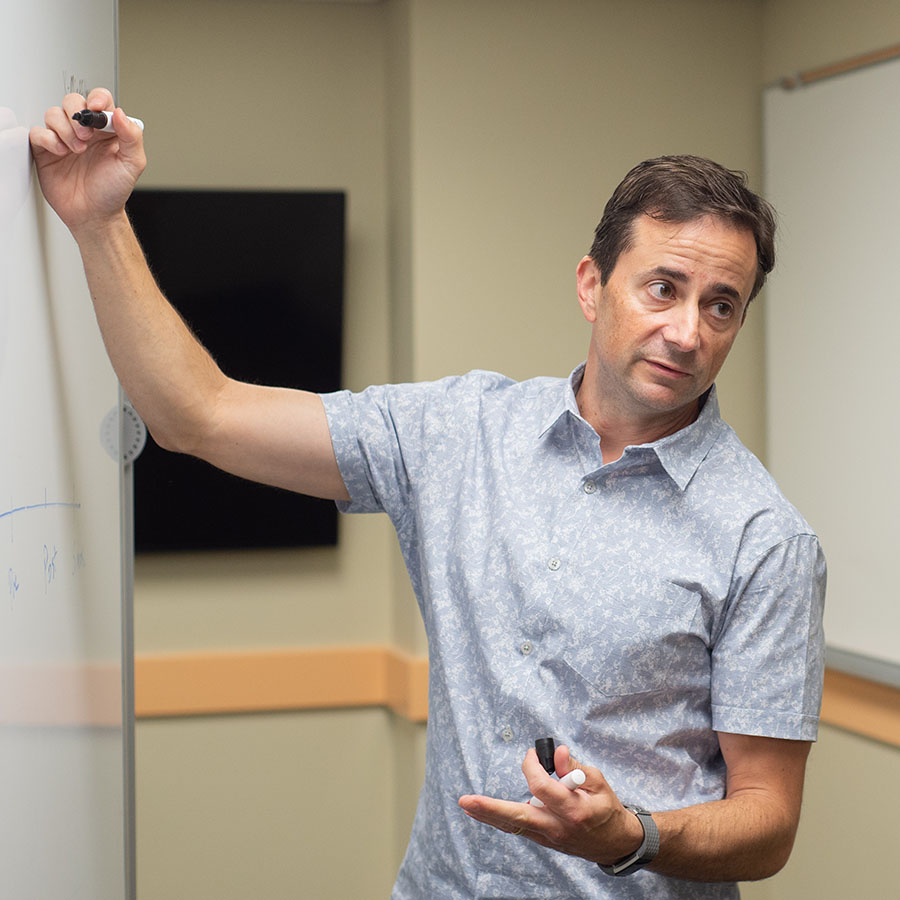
(314, 76)
(806, 34)
(478, 140)
(524, 115)
(233, 807)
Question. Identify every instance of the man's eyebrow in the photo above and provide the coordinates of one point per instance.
(682, 277)
(665, 272)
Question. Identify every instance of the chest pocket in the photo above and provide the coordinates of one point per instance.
(638, 646)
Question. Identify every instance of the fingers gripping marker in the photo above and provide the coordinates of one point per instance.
(546, 748)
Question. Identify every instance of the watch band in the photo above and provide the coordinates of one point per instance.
(645, 853)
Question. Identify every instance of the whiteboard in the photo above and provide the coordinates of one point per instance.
(832, 170)
(64, 742)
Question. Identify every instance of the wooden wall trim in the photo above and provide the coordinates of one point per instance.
(863, 60)
(239, 681)
(864, 707)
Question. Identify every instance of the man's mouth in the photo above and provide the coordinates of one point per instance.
(667, 369)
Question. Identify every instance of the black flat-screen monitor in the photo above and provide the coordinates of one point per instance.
(259, 278)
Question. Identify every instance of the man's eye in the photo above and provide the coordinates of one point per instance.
(723, 309)
(662, 290)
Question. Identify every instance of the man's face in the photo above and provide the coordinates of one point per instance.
(669, 313)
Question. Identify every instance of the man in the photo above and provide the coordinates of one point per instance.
(598, 559)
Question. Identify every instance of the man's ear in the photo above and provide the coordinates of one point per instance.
(588, 279)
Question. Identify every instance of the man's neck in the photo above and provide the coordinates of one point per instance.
(620, 428)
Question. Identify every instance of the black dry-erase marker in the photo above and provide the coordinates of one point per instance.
(100, 120)
(545, 748)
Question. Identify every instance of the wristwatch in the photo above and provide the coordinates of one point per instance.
(645, 853)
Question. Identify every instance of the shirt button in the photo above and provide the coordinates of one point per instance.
(554, 563)
(507, 734)
(526, 648)
(590, 487)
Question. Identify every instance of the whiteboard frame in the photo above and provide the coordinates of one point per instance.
(128, 718)
(126, 495)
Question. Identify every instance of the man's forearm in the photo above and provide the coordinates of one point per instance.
(742, 838)
(165, 372)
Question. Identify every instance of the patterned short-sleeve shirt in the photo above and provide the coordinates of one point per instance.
(630, 610)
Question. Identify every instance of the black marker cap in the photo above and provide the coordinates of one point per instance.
(545, 749)
(91, 118)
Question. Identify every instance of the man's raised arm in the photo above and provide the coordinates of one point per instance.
(272, 435)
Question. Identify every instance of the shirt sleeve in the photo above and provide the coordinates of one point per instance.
(341, 410)
(768, 662)
(389, 439)
(371, 455)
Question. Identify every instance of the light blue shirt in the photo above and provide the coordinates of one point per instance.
(629, 610)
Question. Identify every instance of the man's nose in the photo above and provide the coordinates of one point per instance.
(682, 327)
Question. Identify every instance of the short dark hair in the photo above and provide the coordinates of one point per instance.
(681, 189)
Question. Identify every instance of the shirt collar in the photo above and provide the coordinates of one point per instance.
(680, 454)
(565, 403)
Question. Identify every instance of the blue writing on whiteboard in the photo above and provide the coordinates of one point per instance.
(49, 565)
(45, 505)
